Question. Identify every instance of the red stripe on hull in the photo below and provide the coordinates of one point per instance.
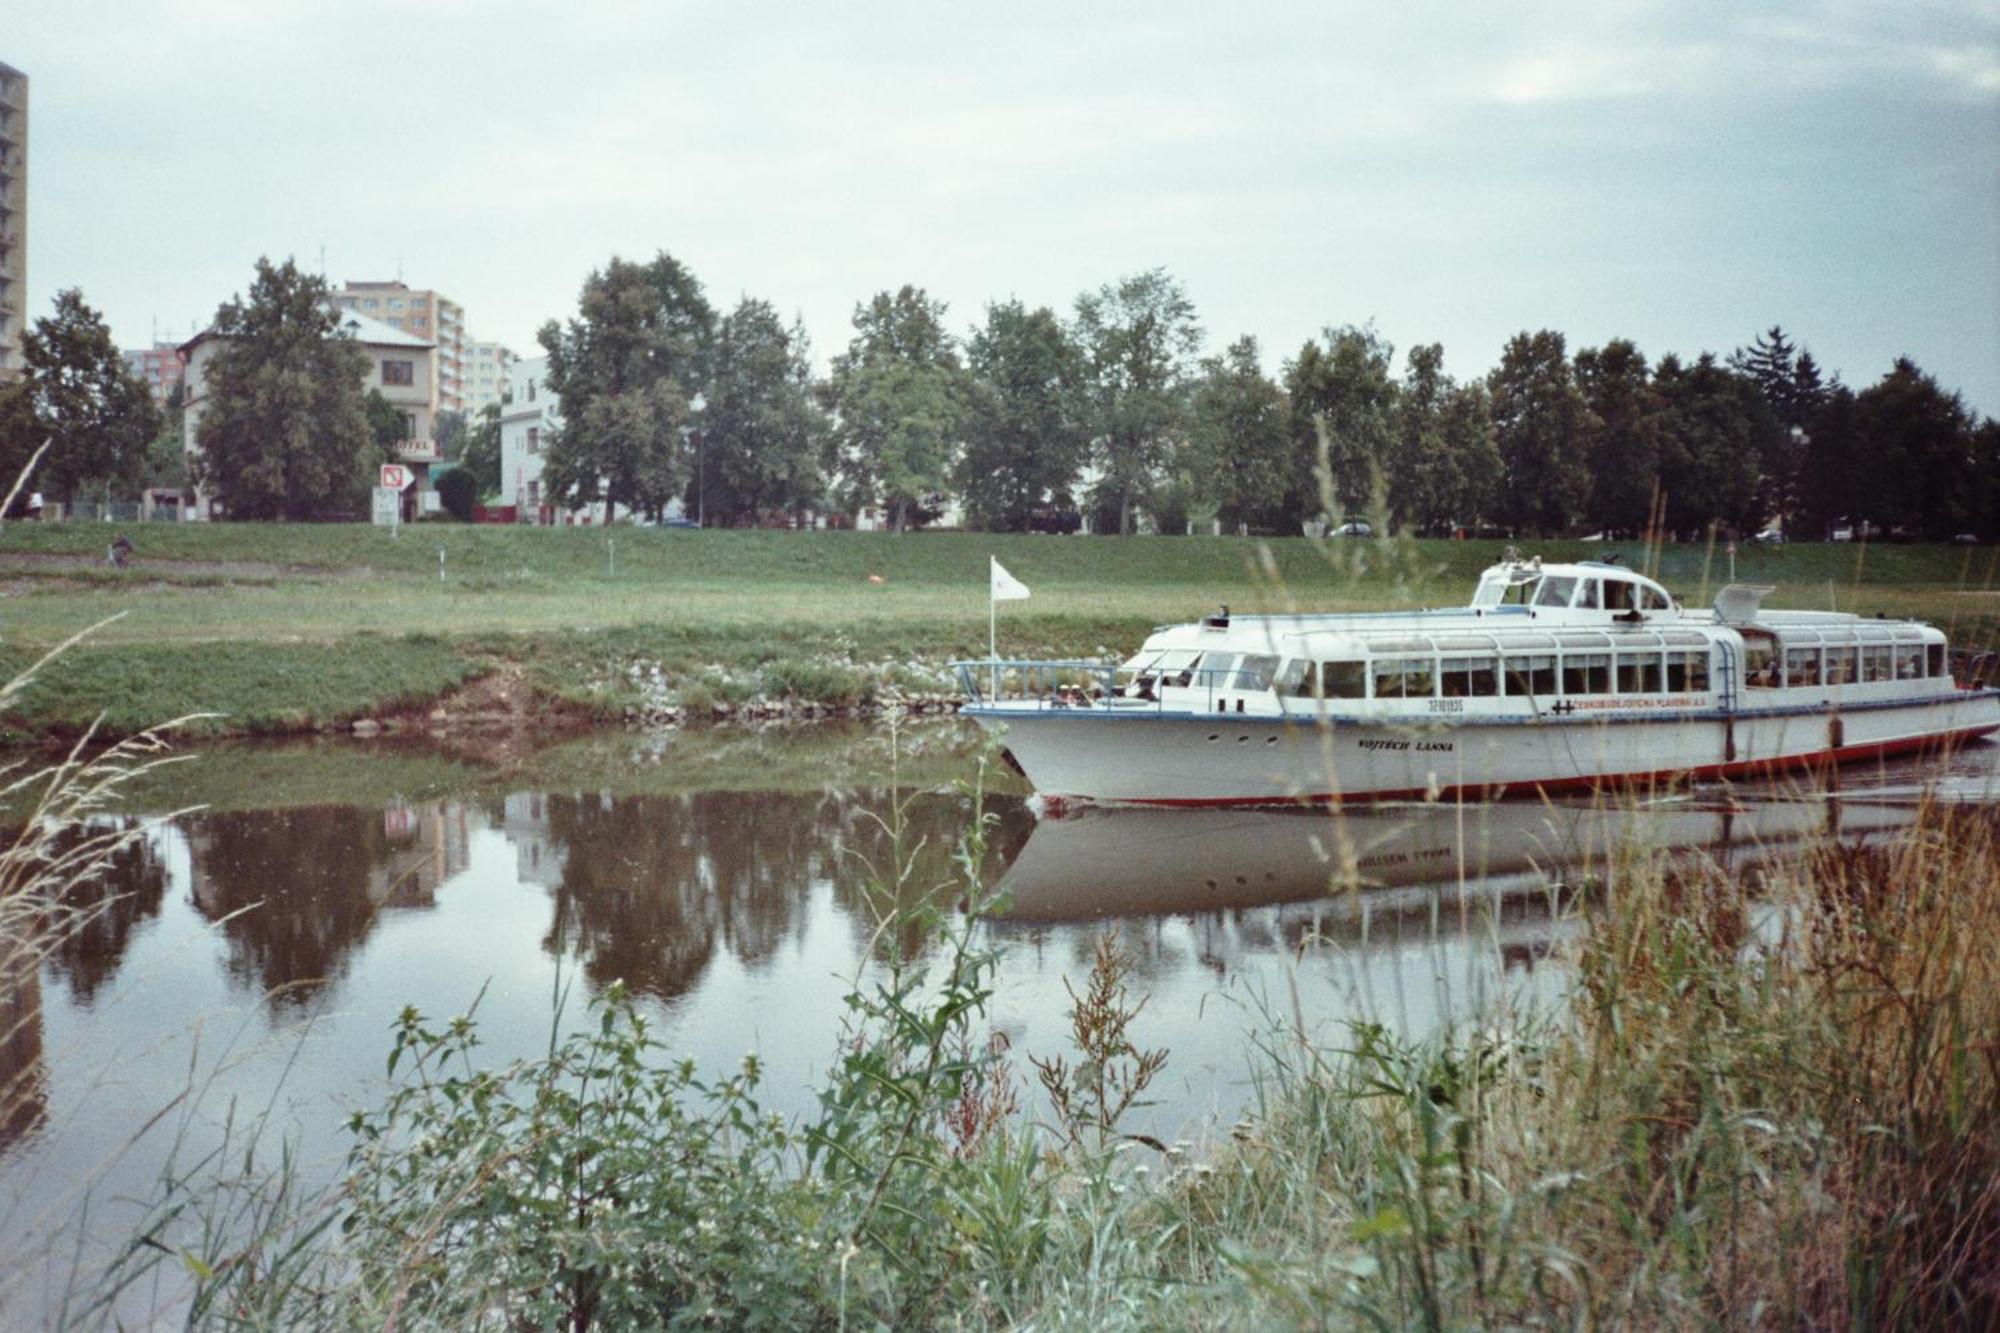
(1705, 772)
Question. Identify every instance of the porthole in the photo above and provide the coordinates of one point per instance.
(1241, 739)
(1213, 737)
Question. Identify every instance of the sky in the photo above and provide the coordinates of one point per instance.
(1682, 174)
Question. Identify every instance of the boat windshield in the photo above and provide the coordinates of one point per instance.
(1506, 587)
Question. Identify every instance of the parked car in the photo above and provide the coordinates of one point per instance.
(1966, 539)
(1770, 537)
(1355, 528)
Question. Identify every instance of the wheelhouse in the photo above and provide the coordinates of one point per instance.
(1588, 586)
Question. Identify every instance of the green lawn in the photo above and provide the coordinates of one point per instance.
(284, 626)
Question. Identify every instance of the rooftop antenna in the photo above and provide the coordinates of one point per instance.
(322, 261)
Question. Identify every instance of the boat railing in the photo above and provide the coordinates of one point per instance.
(998, 680)
(1083, 684)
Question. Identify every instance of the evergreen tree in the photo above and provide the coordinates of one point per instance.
(898, 394)
(285, 431)
(1140, 337)
(628, 368)
(1026, 431)
(761, 432)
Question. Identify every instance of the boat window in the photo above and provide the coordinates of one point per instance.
(1469, 677)
(1522, 594)
(1254, 672)
(1295, 678)
(1638, 673)
(1531, 674)
(1760, 664)
(1586, 673)
(1909, 661)
(1617, 595)
(1587, 595)
(1402, 678)
(1840, 665)
(1934, 659)
(1801, 666)
(1555, 591)
(1875, 663)
(1343, 680)
(1687, 673)
(1652, 599)
(1218, 671)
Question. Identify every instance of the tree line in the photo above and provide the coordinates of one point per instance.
(1115, 410)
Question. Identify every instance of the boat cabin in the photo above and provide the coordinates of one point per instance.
(1586, 638)
(1589, 585)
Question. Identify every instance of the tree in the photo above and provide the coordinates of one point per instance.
(1625, 454)
(629, 368)
(1025, 429)
(761, 434)
(1239, 443)
(285, 433)
(1544, 430)
(480, 453)
(458, 492)
(1139, 337)
(1921, 444)
(899, 397)
(1715, 433)
(1836, 475)
(1789, 381)
(167, 456)
(1443, 465)
(76, 392)
(1346, 388)
(385, 422)
(449, 428)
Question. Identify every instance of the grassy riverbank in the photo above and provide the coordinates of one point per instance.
(279, 628)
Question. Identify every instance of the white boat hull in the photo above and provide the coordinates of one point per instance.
(1165, 758)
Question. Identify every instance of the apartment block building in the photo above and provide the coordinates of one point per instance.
(486, 368)
(160, 366)
(427, 314)
(13, 217)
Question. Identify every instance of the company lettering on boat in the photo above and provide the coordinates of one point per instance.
(1386, 744)
(1553, 676)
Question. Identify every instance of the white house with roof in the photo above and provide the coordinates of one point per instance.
(399, 366)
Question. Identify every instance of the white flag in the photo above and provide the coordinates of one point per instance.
(1006, 588)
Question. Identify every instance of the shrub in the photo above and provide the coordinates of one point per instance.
(458, 492)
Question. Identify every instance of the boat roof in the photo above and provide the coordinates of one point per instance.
(1490, 623)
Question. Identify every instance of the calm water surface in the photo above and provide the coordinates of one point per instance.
(252, 956)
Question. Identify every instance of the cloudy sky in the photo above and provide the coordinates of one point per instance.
(1683, 174)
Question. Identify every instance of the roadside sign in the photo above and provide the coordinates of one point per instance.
(395, 476)
(388, 507)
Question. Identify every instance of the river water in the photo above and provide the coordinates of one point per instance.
(250, 957)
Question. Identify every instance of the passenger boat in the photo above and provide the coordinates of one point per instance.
(1555, 676)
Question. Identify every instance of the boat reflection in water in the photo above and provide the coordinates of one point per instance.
(1100, 864)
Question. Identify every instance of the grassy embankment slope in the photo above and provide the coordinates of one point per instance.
(283, 628)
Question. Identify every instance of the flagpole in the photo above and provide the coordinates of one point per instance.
(993, 634)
